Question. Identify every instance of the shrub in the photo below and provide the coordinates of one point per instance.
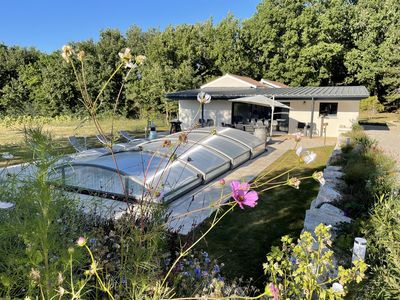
(383, 235)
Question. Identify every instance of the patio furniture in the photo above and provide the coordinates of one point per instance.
(210, 123)
(127, 136)
(102, 139)
(75, 144)
(248, 127)
(175, 126)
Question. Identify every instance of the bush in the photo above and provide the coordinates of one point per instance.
(383, 236)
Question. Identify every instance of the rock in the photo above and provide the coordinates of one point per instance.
(313, 203)
(333, 210)
(335, 183)
(334, 168)
(327, 194)
(335, 156)
(316, 216)
(330, 174)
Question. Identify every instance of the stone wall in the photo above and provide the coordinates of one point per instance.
(322, 208)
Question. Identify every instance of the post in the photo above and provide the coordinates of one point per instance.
(202, 114)
(312, 117)
(272, 117)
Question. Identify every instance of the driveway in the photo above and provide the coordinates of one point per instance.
(388, 138)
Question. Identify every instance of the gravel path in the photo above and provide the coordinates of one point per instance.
(388, 138)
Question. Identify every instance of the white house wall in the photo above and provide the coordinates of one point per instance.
(218, 110)
(346, 115)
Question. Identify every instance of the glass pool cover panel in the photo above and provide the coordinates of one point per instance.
(151, 166)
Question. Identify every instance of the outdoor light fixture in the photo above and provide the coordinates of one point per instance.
(359, 249)
(203, 98)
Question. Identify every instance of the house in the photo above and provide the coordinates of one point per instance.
(330, 108)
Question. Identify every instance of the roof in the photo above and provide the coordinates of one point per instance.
(289, 93)
(273, 83)
(249, 80)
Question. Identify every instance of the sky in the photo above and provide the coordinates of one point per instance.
(49, 24)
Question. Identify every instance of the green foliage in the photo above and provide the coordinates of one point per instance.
(306, 270)
(383, 233)
(371, 105)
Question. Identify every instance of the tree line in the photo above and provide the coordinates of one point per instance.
(297, 42)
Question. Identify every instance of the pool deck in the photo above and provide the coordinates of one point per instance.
(193, 208)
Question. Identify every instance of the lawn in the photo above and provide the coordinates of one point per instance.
(379, 118)
(244, 237)
(12, 136)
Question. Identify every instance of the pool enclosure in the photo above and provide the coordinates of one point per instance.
(162, 169)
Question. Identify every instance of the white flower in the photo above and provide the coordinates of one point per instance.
(126, 56)
(319, 176)
(337, 287)
(7, 155)
(67, 51)
(140, 59)
(203, 98)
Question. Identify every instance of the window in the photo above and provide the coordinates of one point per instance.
(328, 109)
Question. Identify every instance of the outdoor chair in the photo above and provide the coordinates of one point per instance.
(102, 139)
(127, 136)
(75, 143)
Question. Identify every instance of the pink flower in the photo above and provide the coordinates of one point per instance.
(297, 136)
(81, 241)
(274, 291)
(242, 195)
(222, 181)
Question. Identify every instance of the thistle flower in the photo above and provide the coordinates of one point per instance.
(140, 59)
(183, 138)
(126, 56)
(81, 242)
(319, 176)
(222, 181)
(60, 278)
(166, 144)
(242, 195)
(35, 275)
(61, 291)
(81, 55)
(293, 182)
(67, 52)
(203, 98)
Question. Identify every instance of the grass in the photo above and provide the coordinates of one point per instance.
(244, 237)
(380, 118)
(12, 137)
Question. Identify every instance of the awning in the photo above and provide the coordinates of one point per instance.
(260, 100)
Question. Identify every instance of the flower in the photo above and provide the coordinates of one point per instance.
(297, 136)
(60, 278)
(67, 52)
(274, 291)
(203, 98)
(183, 138)
(81, 55)
(7, 155)
(140, 59)
(213, 131)
(337, 287)
(81, 242)
(126, 56)
(35, 275)
(293, 182)
(242, 195)
(319, 176)
(166, 144)
(222, 181)
(61, 291)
